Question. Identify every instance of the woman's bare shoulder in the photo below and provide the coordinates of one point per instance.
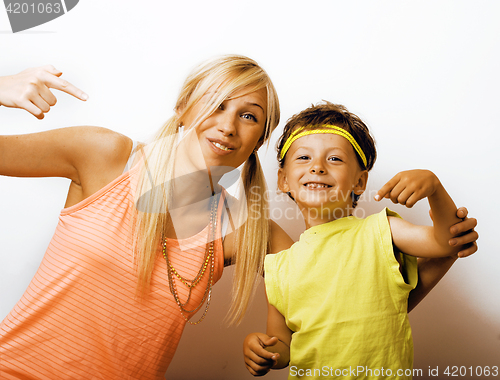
(103, 152)
(99, 159)
(104, 143)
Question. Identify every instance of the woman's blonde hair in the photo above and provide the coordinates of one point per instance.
(218, 78)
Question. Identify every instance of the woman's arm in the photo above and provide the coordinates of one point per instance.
(279, 238)
(279, 242)
(59, 152)
(90, 157)
(431, 271)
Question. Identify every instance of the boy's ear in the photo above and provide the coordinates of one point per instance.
(282, 181)
(360, 186)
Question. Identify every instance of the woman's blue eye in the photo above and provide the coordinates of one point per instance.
(249, 117)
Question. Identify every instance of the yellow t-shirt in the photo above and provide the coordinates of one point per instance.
(342, 294)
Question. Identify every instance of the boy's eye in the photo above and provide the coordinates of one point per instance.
(302, 157)
(334, 159)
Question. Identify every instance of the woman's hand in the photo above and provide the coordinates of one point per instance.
(464, 234)
(30, 90)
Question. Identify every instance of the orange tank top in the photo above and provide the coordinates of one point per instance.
(79, 317)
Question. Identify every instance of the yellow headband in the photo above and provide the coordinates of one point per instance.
(301, 132)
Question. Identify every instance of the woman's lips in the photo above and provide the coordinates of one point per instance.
(220, 147)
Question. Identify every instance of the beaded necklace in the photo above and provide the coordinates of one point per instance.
(209, 261)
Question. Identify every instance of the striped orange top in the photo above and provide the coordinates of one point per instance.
(79, 317)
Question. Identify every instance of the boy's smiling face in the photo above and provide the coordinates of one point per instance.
(320, 172)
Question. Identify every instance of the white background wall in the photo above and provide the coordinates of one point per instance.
(423, 75)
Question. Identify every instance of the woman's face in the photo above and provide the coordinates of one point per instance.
(230, 134)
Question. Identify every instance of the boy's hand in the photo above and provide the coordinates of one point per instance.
(257, 359)
(408, 187)
(31, 90)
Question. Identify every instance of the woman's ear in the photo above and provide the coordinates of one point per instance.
(282, 181)
(360, 186)
(178, 114)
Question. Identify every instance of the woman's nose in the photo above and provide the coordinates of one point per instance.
(226, 124)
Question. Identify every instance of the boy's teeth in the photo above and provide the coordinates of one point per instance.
(220, 146)
(316, 185)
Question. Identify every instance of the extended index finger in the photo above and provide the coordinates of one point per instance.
(386, 189)
(53, 81)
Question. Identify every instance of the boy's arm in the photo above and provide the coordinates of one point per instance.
(272, 350)
(257, 359)
(276, 327)
(408, 188)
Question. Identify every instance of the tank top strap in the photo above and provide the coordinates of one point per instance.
(131, 157)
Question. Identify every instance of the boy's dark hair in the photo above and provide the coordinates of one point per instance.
(332, 114)
(327, 113)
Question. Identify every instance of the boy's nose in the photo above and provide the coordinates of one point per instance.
(317, 168)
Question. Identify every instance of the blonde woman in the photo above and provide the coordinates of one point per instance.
(147, 229)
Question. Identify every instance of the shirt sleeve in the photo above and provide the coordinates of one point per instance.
(271, 281)
(408, 264)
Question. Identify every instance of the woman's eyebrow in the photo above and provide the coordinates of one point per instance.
(258, 105)
(255, 104)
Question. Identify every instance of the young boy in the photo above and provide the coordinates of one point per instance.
(338, 296)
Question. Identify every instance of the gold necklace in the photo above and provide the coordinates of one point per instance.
(208, 261)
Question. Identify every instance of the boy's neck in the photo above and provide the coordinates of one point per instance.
(314, 217)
